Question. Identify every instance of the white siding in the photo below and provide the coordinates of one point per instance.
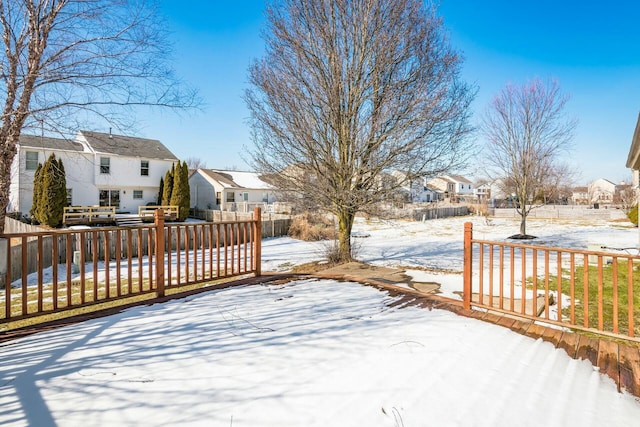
(203, 193)
(84, 178)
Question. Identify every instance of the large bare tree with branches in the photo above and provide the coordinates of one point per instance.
(349, 90)
(527, 131)
(66, 62)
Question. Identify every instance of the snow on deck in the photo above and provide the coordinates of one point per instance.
(307, 353)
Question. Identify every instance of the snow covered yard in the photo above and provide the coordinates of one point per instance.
(307, 353)
(431, 251)
(317, 352)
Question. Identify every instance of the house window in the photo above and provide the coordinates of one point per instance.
(31, 158)
(144, 168)
(110, 198)
(231, 197)
(69, 197)
(218, 198)
(105, 165)
(245, 197)
(265, 197)
(137, 194)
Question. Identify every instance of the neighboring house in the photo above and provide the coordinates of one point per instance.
(601, 191)
(580, 195)
(229, 190)
(454, 187)
(416, 189)
(101, 169)
(482, 192)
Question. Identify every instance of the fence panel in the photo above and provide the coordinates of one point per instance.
(580, 289)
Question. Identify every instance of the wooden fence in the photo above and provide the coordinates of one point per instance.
(586, 290)
(102, 264)
(441, 212)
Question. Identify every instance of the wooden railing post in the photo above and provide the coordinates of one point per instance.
(158, 217)
(257, 248)
(466, 290)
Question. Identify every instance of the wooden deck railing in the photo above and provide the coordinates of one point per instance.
(594, 291)
(77, 268)
(146, 213)
(89, 215)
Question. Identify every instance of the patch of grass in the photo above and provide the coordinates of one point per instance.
(603, 292)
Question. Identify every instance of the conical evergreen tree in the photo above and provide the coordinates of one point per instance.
(62, 186)
(168, 186)
(46, 196)
(186, 201)
(180, 196)
(160, 191)
(53, 197)
(177, 189)
(37, 193)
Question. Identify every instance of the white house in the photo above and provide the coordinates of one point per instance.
(229, 190)
(482, 192)
(101, 169)
(453, 186)
(416, 189)
(580, 195)
(601, 191)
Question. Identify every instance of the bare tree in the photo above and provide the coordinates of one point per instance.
(349, 90)
(66, 62)
(195, 163)
(626, 195)
(527, 130)
(557, 184)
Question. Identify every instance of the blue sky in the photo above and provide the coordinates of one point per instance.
(592, 49)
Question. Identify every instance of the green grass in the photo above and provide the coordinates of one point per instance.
(605, 319)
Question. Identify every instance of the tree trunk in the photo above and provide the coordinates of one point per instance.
(523, 224)
(5, 179)
(345, 223)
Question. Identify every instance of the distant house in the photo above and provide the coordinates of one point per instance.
(482, 192)
(101, 169)
(580, 195)
(229, 190)
(454, 187)
(416, 190)
(601, 191)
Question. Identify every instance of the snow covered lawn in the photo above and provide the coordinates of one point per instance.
(318, 352)
(431, 251)
(307, 353)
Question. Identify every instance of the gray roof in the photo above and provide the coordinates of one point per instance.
(460, 178)
(223, 178)
(40, 142)
(127, 146)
